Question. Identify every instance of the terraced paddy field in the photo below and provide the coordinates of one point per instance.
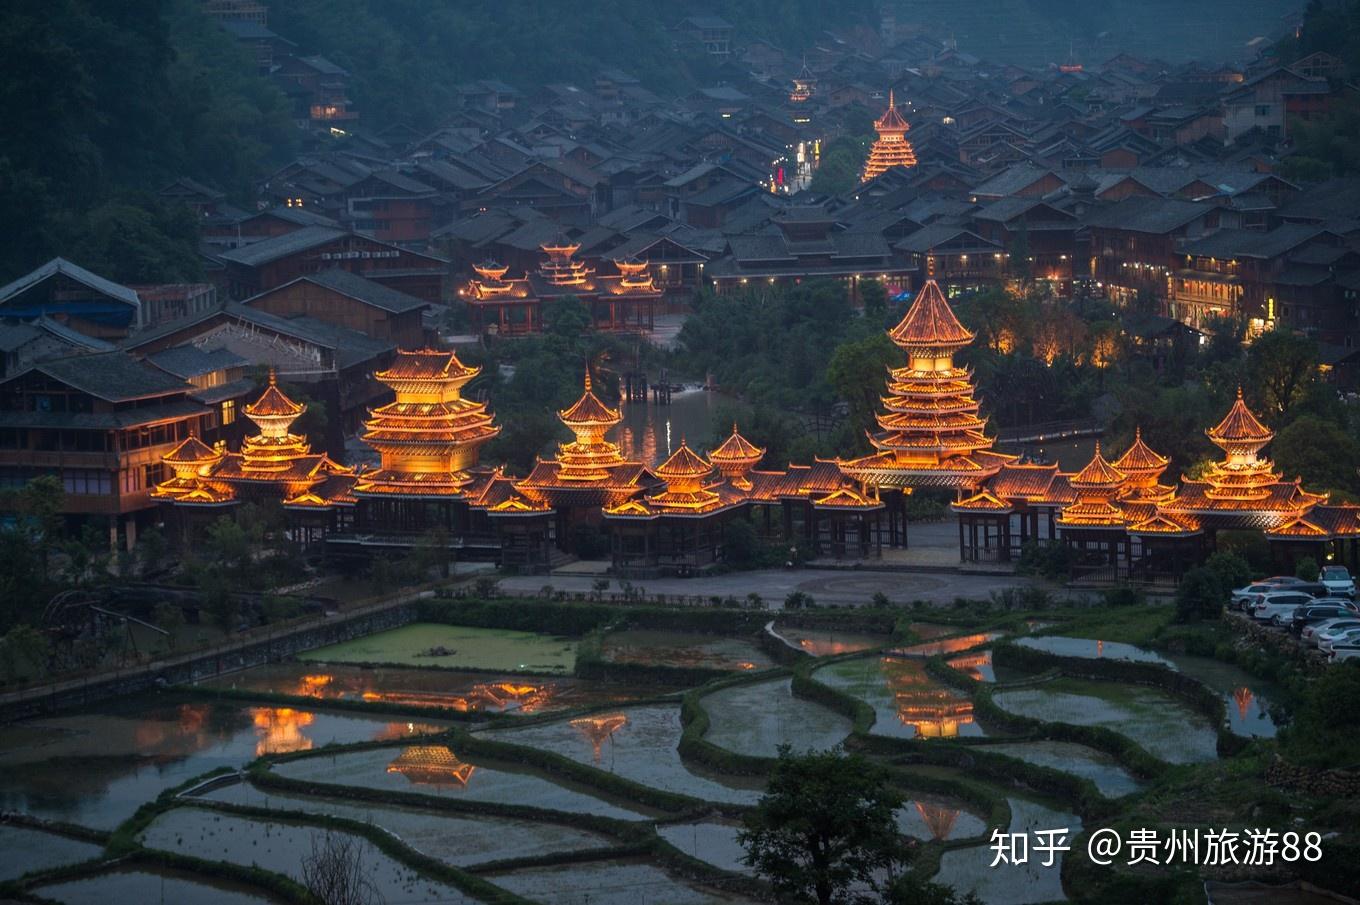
(1248, 699)
(435, 770)
(429, 644)
(436, 688)
(1093, 649)
(907, 701)
(637, 743)
(757, 718)
(450, 838)
(683, 649)
(1109, 777)
(969, 869)
(24, 850)
(711, 841)
(96, 769)
(829, 643)
(1165, 726)
(608, 883)
(282, 847)
(118, 886)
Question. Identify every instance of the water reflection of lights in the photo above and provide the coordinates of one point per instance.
(432, 765)
(947, 645)
(1243, 698)
(938, 819)
(599, 729)
(932, 710)
(973, 664)
(495, 696)
(828, 647)
(280, 730)
(746, 664)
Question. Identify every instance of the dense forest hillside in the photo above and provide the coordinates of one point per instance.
(406, 56)
(1039, 32)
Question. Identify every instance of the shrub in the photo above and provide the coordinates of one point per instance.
(1232, 570)
(1124, 595)
(1199, 596)
(1307, 569)
(797, 600)
(741, 544)
(1048, 559)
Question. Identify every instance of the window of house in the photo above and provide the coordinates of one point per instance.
(1263, 109)
(228, 412)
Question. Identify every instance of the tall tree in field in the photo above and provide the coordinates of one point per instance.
(826, 824)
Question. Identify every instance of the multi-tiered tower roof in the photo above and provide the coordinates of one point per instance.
(274, 463)
(734, 459)
(430, 435)
(1098, 485)
(891, 148)
(590, 467)
(561, 269)
(931, 433)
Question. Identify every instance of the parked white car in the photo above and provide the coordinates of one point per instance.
(1338, 581)
(1345, 652)
(1310, 633)
(1278, 607)
(1327, 641)
(1244, 597)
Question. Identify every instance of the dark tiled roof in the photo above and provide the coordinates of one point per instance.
(1147, 215)
(363, 290)
(267, 250)
(190, 361)
(112, 376)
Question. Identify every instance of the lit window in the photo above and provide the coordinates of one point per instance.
(228, 412)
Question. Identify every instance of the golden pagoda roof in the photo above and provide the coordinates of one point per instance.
(273, 402)
(429, 364)
(891, 120)
(930, 321)
(736, 449)
(982, 501)
(192, 450)
(491, 270)
(1140, 456)
(1098, 473)
(434, 765)
(589, 409)
(1240, 425)
(683, 463)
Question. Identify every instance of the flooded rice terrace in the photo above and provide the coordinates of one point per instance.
(469, 788)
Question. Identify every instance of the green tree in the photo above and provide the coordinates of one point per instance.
(874, 295)
(840, 167)
(1232, 570)
(1321, 452)
(741, 545)
(826, 823)
(1199, 596)
(1307, 569)
(857, 371)
(1283, 365)
(567, 317)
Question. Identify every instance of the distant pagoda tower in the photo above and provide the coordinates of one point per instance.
(1097, 486)
(931, 434)
(634, 277)
(430, 435)
(191, 462)
(891, 148)
(804, 85)
(561, 268)
(735, 458)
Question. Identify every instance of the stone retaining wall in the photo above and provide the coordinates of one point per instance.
(1314, 781)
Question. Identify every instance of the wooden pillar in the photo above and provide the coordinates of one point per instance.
(963, 550)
